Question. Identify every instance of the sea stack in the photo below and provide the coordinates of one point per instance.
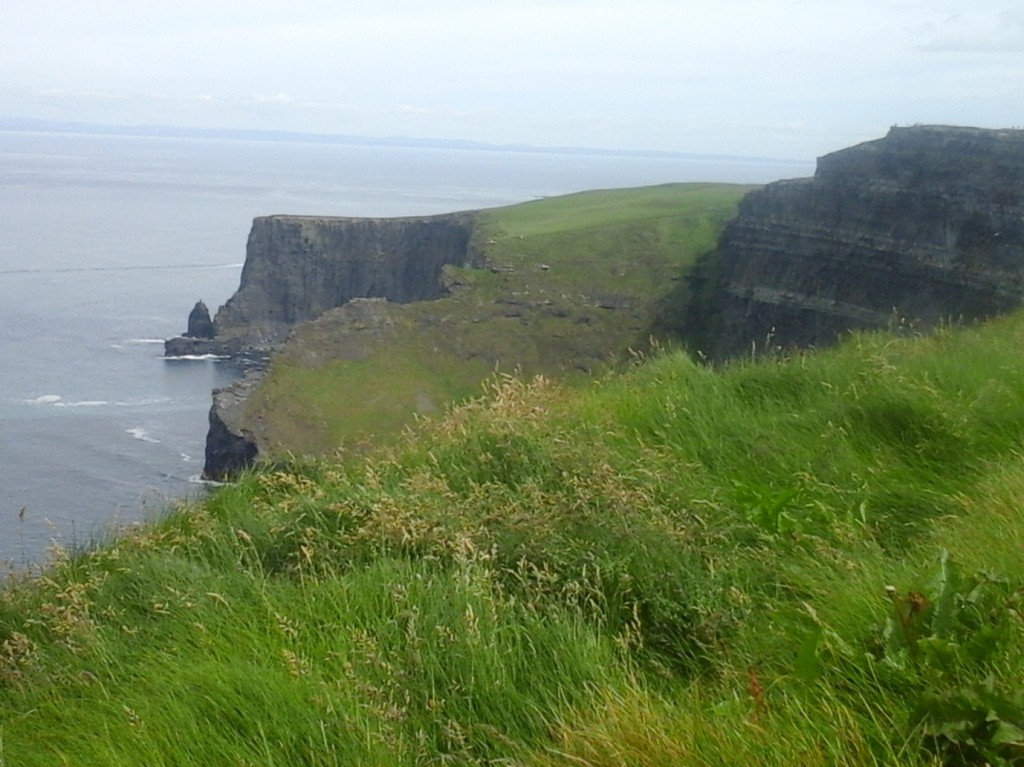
(199, 323)
(198, 339)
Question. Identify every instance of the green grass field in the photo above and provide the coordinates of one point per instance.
(811, 561)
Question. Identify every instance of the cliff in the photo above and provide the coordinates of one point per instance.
(923, 226)
(230, 445)
(558, 287)
(297, 268)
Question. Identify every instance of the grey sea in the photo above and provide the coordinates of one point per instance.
(106, 242)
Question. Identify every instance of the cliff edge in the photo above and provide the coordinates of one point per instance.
(923, 226)
(296, 269)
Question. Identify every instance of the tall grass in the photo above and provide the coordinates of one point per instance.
(810, 561)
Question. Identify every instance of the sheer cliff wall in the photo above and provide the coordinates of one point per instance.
(923, 226)
(298, 267)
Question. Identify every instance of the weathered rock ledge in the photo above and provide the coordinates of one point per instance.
(921, 227)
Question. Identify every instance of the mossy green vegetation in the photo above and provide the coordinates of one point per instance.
(808, 561)
(574, 284)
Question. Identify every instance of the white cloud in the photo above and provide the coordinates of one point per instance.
(977, 32)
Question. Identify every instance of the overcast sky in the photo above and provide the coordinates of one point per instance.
(779, 78)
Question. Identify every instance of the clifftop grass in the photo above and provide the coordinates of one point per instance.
(813, 561)
(574, 284)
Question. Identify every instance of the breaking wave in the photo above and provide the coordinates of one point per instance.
(198, 357)
(141, 434)
(143, 401)
(46, 399)
(198, 479)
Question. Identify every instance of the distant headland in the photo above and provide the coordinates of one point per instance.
(921, 227)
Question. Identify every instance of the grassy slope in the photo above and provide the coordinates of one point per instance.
(672, 567)
(574, 285)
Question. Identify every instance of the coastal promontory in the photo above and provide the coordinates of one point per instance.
(298, 267)
(371, 323)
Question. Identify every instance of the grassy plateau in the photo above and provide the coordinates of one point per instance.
(805, 561)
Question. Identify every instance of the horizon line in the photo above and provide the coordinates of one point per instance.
(39, 125)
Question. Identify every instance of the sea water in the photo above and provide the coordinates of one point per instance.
(106, 242)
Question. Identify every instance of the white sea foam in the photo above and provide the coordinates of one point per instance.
(83, 403)
(198, 479)
(198, 357)
(141, 434)
(46, 399)
(142, 401)
(129, 342)
(187, 458)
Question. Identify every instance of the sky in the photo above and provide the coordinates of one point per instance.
(790, 79)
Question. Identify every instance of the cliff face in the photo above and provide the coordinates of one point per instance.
(297, 268)
(925, 225)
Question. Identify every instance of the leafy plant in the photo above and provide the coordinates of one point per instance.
(780, 511)
(978, 724)
(943, 640)
(960, 623)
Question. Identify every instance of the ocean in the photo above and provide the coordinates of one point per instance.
(106, 243)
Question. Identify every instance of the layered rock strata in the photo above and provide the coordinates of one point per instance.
(923, 226)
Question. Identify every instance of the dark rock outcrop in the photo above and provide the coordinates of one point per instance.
(198, 338)
(230, 448)
(180, 346)
(923, 226)
(298, 267)
(200, 325)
